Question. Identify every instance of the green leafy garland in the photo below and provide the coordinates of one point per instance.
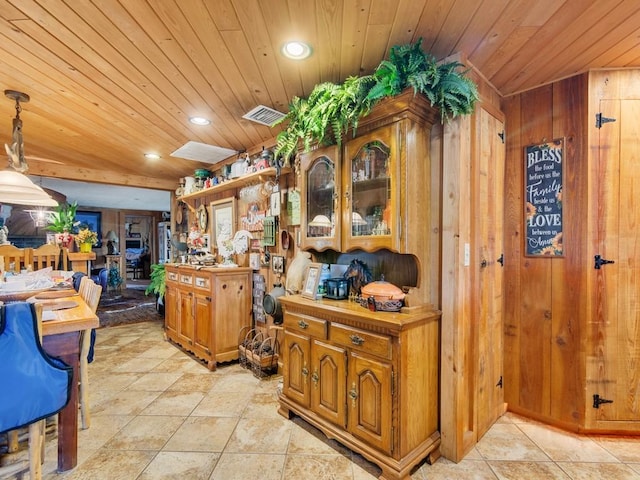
(332, 109)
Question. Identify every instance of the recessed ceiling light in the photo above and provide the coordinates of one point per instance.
(200, 121)
(296, 50)
(152, 156)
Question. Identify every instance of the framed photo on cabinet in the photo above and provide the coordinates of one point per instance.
(311, 280)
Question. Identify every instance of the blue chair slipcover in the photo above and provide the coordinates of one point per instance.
(33, 386)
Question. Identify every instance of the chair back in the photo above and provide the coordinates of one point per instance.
(28, 394)
(90, 292)
(19, 257)
(46, 256)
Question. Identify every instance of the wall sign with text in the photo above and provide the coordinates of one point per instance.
(543, 198)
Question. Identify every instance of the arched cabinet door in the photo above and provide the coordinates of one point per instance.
(370, 217)
(320, 217)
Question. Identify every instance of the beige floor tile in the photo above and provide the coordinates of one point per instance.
(238, 466)
(635, 467)
(194, 382)
(145, 433)
(125, 403)
(103, 428)
(599, 471)
(173, 403)
(112, 382)
(262, 405)
(563, 446)
(221, 404)
(162, 350)
(313, 467)
(180, 363)
(444, 469)
(365, 470)
(625, 449)
(139, 364)
(306, 439)
(202, 434)
(260, 436)
(183, 465)
(505, 441)
(110, 465)
(527, 470)
(155, 381)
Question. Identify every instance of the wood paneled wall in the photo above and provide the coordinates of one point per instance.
(546, 298)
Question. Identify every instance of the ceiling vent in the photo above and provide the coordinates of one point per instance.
(264, 115)
(203, 152)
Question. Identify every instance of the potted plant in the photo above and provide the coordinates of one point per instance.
(86, 239)
(157, 285)
(62, 222)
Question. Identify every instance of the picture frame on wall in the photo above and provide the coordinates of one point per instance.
(223, 215)
(92, 221)
(311, 281)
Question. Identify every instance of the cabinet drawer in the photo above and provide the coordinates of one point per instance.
(186, 278)
(360, 340)
(203, 282)
(308, 325)
(172, 276)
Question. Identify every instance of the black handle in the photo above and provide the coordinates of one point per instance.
(599, 261)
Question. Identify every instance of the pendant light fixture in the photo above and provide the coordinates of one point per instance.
(15, 187)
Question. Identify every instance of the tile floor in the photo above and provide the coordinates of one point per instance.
(159, 414)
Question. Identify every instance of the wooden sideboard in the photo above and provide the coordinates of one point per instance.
(205, 309)
(367, 379)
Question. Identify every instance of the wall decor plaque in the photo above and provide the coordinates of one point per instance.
(543, 199)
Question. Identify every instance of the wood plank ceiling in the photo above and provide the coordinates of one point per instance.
(110, 80)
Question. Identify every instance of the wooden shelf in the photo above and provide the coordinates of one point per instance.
(234, 183)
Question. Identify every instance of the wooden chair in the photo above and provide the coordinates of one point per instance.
(90, 293)
(19, 257)
(46, 256)
(21, 389)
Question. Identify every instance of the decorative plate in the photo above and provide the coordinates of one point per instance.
(203, 218)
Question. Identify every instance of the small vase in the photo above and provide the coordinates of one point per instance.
(85, 248)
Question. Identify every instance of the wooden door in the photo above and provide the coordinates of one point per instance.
(487, 212)
(295, 368)
(369, 401)
(232, 298)
(613, 368)
(171, 313)
(328, 384)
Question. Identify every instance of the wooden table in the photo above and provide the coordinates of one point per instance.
(61, 338)
(81, 262)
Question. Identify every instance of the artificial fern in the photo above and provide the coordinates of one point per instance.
(332, 109)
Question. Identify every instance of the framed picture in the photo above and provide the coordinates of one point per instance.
(277, 263)
(92, 221)
(223, 216)
(311, 280)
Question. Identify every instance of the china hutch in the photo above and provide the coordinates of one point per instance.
(370, 378)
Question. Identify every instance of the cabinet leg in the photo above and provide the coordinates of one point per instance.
(284, 411)
(433, 456)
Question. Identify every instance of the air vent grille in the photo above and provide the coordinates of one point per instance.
(264, 115)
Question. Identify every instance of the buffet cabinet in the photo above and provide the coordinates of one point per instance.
(367, 379)
(205, 308)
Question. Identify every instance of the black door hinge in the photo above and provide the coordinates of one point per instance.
(499, 384)
(501, 135)
(599, 261)
(600, 120)
(501, 260)
(598, 400)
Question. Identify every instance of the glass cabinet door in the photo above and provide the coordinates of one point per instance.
(320, 219)
(369, 219)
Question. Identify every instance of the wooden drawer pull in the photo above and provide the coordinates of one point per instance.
(302, 324)
(356, 339)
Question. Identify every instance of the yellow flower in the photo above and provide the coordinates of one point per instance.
(86, 236)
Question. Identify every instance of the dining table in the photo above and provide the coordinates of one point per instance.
(65, 315)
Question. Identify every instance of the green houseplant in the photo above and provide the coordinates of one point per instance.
(63, 219)
(331, 109)
(157, 285)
